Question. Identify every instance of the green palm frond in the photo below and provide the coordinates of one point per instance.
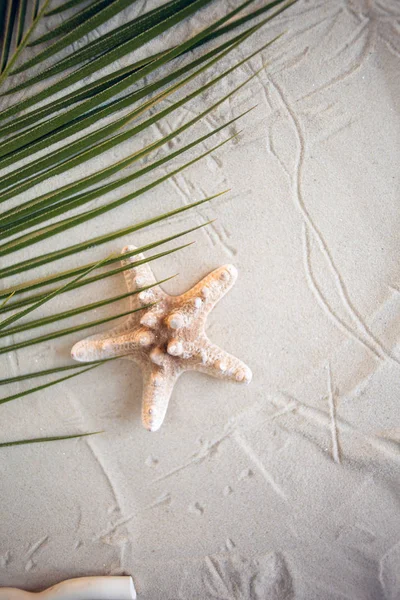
(90, 243)
(7, 322)
(42, 208)
(56, 317)
(79, 104)
(64, 6)
(44, 372)
(67, 331)
(38, 388)
(66, 274)
(6, 299)
(54, 438)
(13, 7)
(119, 51)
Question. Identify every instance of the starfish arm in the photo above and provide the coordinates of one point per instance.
(214, 361)
(209, 291)
(158, 385)
(140, 277)
(124, 327)
(90, 349)
(111, 346)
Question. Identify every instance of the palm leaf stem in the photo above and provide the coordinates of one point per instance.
(56, 438)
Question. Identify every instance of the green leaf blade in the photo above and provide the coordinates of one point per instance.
(39, 388)
(56, 438)
(73, 22)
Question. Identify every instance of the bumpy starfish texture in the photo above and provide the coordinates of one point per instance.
(166, 338)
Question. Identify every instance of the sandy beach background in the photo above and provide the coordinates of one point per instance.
(287, 488)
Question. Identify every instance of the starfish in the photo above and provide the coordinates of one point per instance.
(166, 338)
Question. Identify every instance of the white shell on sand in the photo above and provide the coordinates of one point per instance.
(83, 588)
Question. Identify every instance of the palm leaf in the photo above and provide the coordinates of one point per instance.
(6, 299)
(55, 318)
(118, 52)
(21, 20)
(44, 372)
(64, 6)
(77, 201)
(85, 148)
(50, 125)
(97, 114)
(11, 60)
(47, 298)
(39, 121)
(38, 388)
(55, 438)
(7, 25)
(106, 81)
(35, 298)
(126, 32)
(37, 283)
(69, 250)
(83, 23)
(40, 209)
(86, 91)
(99, 12)
(67, 331)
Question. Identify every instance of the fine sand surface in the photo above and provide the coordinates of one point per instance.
(287, 488)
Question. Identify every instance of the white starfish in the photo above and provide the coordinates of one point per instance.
(167, 338)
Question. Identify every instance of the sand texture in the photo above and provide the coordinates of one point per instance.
(287, 488)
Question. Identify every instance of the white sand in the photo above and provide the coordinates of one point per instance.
(288, 488)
